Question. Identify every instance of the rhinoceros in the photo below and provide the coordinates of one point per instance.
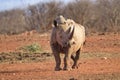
(68, 38)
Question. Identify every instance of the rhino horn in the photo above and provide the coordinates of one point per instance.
(70, 33)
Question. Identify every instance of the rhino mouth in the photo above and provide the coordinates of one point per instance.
(66, 45)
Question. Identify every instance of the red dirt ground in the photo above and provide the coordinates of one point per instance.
(45, 70)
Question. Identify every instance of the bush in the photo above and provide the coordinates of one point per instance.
(97, 16)
(33, 48)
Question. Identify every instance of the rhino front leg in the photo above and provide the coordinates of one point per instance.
(58, 61)
(67, 62)
(75, 59)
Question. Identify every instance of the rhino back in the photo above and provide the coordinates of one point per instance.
(79, 33)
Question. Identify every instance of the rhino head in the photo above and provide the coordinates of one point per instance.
(64, 33)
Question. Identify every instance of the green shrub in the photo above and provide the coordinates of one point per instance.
(33, 48)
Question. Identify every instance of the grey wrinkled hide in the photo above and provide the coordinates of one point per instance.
(68, 38)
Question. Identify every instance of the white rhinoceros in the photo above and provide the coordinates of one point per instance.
(67, 37)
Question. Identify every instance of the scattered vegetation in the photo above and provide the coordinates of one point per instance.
(28, 53)
(101, 55)
(37, 57)
(32, 48)
(14, 57)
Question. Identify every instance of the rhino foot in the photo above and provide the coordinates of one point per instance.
(74, 67)
(67, 69)
(58, 69)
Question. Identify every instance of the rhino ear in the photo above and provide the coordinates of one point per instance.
(55, 23)
(70, 35)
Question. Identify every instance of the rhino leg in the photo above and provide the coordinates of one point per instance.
(75, 59)
(72, 57)
(58, 61)
(67, 62)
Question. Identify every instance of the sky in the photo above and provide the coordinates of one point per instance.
(11, 4)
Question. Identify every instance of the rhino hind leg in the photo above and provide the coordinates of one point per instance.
(75, 59)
